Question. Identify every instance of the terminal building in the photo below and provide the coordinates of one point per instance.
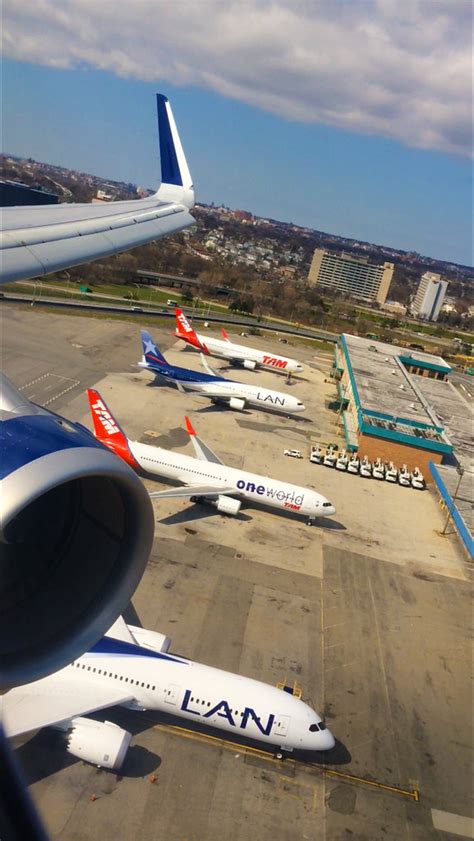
(384, 410)
(429, 297)
(398, 404)
(351, 275)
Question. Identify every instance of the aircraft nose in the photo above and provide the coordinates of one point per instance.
(326, 740)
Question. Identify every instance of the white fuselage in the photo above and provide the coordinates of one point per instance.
(277, 401)
(167, 683)
(239, 353)
(248, 486)
(220, 388)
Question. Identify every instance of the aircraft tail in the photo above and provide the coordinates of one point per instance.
(225, 335)
(152, 355)
(176, 183)
(186, 332)
(106, 428)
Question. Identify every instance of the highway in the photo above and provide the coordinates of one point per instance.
(239, 321)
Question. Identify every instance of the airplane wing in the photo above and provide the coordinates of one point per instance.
(54, 700)
(37, 240)
(192, 490)
(201, 449)
(207, 366)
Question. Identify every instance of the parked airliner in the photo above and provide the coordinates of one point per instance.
(206, 476)
(218, 389)
(225, 349)
(133, 668)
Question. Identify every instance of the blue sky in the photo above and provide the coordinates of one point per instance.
(255, 155)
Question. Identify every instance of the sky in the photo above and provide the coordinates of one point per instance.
(348, 116)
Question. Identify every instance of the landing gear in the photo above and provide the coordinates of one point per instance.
(280, 755)
(310, 522)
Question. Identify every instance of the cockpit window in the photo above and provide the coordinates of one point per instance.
(313, 728)
(322, 725)
(327, 504)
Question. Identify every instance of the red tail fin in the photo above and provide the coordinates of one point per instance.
(106, 428)
(185, 331)
(226, 337)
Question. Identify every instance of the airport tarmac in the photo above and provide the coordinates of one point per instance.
(369, 611)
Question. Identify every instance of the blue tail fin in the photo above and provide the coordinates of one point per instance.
(151, 353)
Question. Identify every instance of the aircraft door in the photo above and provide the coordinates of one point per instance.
(281, 725)
(171, 693)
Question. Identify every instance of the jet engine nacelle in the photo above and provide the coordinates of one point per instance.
(150, 639)
(249, 364)
(228, 505)
(237, 403)
(101, 743)
(76, 529)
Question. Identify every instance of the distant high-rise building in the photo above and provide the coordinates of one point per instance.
(351, 275)
(429, 297)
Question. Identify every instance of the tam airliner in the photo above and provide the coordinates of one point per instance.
(132, 667)
(218, 389)
(204, 477)
(238, 354)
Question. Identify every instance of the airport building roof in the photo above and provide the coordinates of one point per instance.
(391, 402)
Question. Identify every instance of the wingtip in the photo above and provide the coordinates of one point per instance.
(189, 426)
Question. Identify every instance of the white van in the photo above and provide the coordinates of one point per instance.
(171, 303)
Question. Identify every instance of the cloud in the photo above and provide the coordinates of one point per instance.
(380, 67)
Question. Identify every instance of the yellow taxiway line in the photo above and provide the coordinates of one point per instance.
(185, 733)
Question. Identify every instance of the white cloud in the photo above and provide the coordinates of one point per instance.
(400, 70)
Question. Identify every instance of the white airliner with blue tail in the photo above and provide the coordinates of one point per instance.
(218, 389)
(133, 668)
(204, 477)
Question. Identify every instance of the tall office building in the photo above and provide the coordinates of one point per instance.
(351, 275)
(429, 297)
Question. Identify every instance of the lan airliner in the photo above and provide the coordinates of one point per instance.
(133, 668)
(225, 349)
(204, 477)
(218, 389)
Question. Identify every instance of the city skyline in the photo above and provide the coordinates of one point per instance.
(397, 180)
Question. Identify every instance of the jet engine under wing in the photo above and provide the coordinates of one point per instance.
(37, 240)
(193, 490)
(53, 700)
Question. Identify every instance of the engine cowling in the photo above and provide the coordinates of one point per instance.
(228, 505)
(102, 743)
(151, 639)
(76, 529)
(249, 364)
(237, 403)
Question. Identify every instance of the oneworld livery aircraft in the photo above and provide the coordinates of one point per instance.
(35, 241)
(218, 389)
(248, 357)
(132, 667)
(204, 477)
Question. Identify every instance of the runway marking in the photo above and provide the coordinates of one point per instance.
(73, 382)
(192, 735)
(65, 391)
(455, 824)
(32, 382)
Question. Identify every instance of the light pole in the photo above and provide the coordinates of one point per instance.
(460, 470)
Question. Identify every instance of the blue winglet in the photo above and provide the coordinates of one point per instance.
(170, 172)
